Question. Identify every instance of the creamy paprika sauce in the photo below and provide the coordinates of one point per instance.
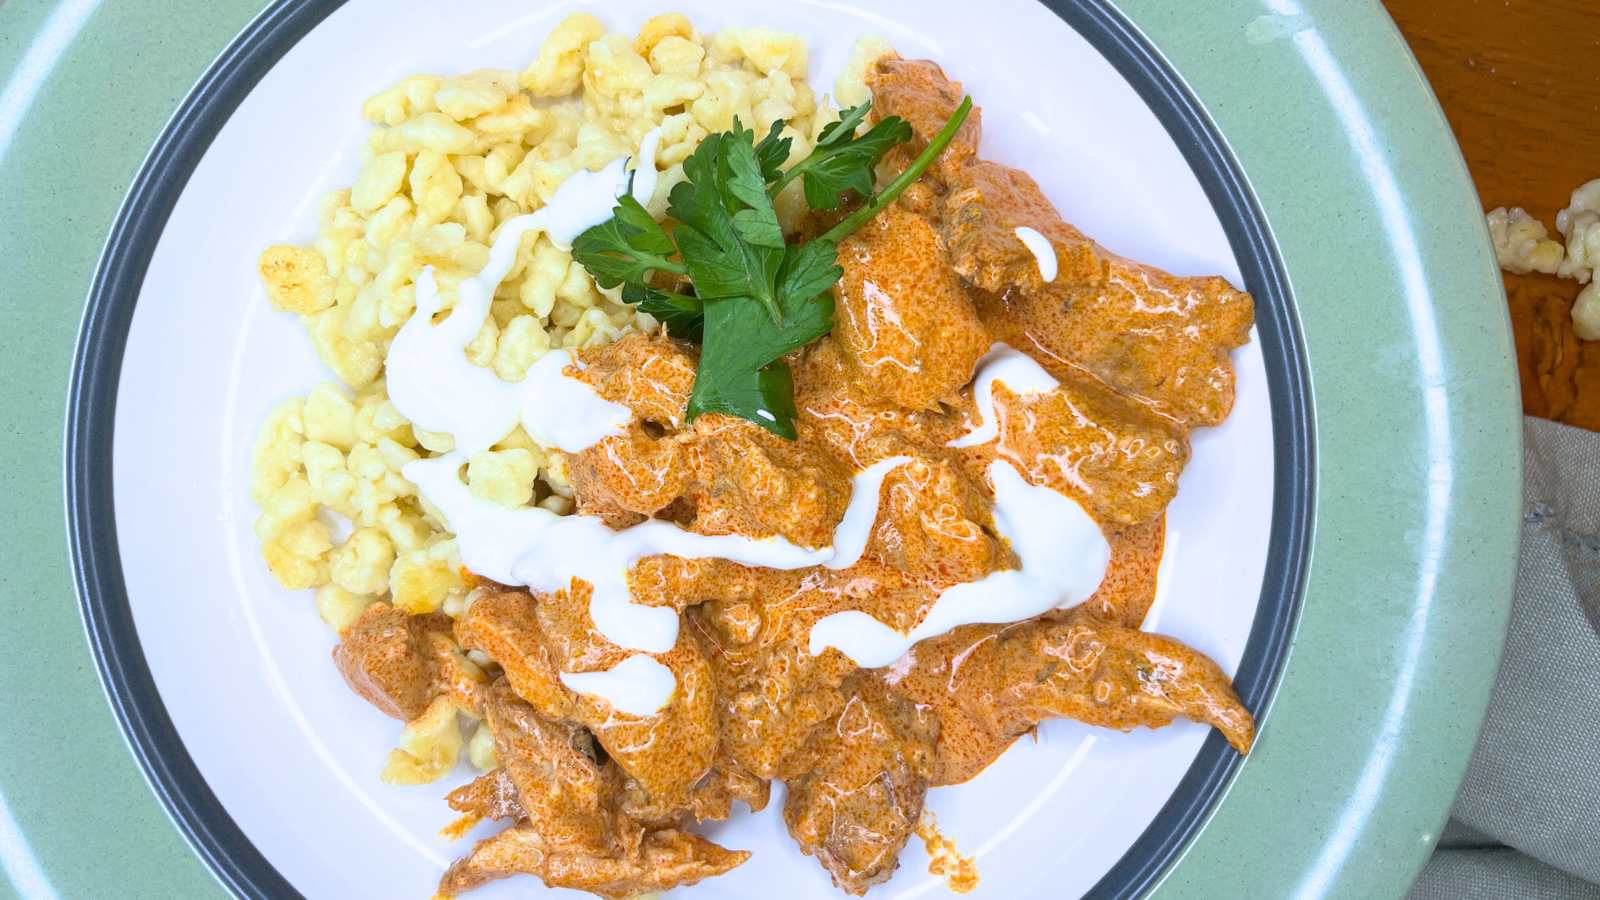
(962, 542)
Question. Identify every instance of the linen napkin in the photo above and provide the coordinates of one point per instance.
(1526, 824)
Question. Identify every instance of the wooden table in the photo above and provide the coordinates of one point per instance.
(1520, 83)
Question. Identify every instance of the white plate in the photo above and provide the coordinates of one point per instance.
(242, 665)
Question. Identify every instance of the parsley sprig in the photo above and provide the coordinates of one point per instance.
(737, 284)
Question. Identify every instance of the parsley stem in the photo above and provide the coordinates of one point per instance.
(662, 264)
(893, 189)
(784, 179)
(849, 120)
(682, 301)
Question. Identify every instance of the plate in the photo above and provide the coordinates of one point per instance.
(1242, 205)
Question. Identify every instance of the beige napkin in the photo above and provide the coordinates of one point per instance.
(1527, 821)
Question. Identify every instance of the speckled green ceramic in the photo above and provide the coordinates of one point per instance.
(1415, 411)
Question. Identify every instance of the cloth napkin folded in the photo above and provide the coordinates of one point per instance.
(1526, 824)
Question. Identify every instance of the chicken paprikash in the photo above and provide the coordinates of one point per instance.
(884, 491)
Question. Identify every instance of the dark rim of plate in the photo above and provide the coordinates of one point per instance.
(132, 241)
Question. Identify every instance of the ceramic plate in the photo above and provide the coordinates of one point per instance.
(221, 680)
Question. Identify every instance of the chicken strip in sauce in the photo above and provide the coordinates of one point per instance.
(715, 476)
(570, 833)
(902, 318)
(918, 91)
(533, 639)
(494, 795)
(989, 684)
(1160, 338)
(859, 793)
(399, 663)
(1114, 456)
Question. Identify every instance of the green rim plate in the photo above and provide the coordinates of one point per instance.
(1414, 399)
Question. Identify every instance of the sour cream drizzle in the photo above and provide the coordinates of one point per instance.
(431, 383)
(638, 686)
(563, 412)
(1017, 371)
(429, 378)
(850, 535)
(1043, 253)
(1063, 554)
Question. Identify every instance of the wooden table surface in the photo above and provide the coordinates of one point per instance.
(1520, 83)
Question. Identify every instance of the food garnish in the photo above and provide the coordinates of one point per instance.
(739, 287)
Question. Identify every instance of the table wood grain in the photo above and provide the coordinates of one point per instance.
(1519, 81)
